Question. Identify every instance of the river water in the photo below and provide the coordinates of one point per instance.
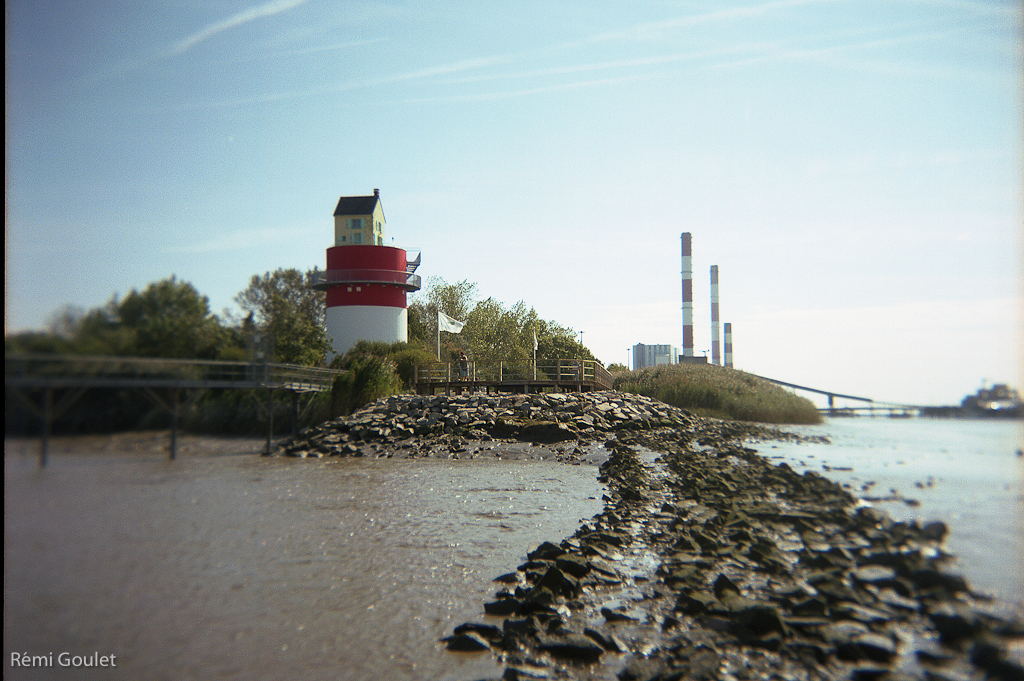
(964, 472)
(241, 567)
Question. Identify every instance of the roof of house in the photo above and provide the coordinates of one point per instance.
(357, 205)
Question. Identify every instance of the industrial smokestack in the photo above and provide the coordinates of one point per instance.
(728, 345)
(687, 296)
(716, 350)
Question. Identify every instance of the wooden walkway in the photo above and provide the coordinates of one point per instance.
(561, 375)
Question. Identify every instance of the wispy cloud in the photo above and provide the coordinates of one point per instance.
(653, 29)
(444, 69)
(336, 47)
(347, 86)
(817, 53)
(629, 63)
(129, 65)
(558, 87)
(246, 239)
(245, 16)
(840, 47)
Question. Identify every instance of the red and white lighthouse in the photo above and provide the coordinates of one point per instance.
(366, 282)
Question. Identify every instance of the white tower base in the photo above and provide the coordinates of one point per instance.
(349, 324)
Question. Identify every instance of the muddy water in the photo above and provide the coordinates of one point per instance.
(240, 567)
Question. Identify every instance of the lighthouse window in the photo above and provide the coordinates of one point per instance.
(355, 223)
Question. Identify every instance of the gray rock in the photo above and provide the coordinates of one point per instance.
(573, 646)
(468, 642)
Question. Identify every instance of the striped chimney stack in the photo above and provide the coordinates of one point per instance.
(716, 341)
(728, 345)
(687, 295)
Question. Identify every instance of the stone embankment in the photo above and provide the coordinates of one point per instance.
(707, 562)
(447, 426)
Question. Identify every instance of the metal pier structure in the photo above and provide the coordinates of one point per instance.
(37, 379)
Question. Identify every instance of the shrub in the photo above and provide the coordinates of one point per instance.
(367, 377)
(718, 392)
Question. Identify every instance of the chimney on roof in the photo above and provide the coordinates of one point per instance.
(376, 192)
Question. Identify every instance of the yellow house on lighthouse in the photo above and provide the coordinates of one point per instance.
(359, 221)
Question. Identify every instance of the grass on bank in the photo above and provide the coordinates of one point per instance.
(715, 391)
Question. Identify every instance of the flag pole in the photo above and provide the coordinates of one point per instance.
(535, 354)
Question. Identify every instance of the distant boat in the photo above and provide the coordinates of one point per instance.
(999, 400)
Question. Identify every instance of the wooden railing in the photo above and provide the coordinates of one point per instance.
(554, 371)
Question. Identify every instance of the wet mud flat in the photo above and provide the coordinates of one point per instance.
(707, 562)
(146, 443)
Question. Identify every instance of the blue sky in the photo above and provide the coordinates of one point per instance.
(853, 167)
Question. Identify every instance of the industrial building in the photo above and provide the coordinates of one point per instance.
(654, 355)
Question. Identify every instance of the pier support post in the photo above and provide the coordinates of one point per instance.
(173, 409)
(295, 413)
(174, 424)
(47, 414)
(44, 441)
(270, 420)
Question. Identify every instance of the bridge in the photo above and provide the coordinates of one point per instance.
(872, 407)
(35, 378)
(564, 375)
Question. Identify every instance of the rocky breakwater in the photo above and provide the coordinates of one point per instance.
(475, 424)
(707, 562)
(712, 563)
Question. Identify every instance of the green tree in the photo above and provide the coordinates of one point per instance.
(100, 332)
(169, 318)
(555, 341)
(371, 372)
(455, 300)
(285, 307)
(29, 342)
(493, 332)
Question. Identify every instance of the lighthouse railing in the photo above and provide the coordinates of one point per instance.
(329, 278)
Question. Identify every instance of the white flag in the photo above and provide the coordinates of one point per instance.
(446, 323)
(535, 340)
